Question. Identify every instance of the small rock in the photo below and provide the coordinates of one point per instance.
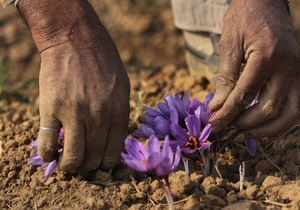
(244, 205)
(215, 200)
(231, 199)
(137, 207)
(126, 192)
(192, 203)
(55, 189)
(271, 181)
(49, 181)
(252, 191)
(197, 177)
(91, 202)
(64, 184)
(215, 190)
(180, 184)
(103, 177)
(158, 196)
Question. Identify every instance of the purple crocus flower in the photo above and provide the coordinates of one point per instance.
(195, 138)
(172, 110)
(151, 159)
(49, 167)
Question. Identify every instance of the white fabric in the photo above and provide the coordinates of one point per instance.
(199, 15)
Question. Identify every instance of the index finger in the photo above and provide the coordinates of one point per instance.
(248, 86)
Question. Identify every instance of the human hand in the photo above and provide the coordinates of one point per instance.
(260, 34)
(83, 85)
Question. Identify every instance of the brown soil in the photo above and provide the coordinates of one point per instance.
(151, 49)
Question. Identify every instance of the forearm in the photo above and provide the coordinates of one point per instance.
(56, 22)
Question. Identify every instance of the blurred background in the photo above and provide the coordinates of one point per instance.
(143, 31)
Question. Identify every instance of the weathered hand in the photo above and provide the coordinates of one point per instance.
(83, 85)
(260, 34)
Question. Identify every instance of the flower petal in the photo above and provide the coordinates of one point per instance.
(162, 126)
(179, 134)
(193, 125)
(164, 109)
(153, 145)
(147, 130)
(35, 160)
(152, 112)
(174, 118)
(136, 149)
(176, 158)
(49, 168)
(251, 146)
(34, 145)
(186, 101)
(164, 168)
(205, 133)
(137, 165)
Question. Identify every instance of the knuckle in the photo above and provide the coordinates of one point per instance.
(69, 164)
(244, 97)
(226, 81)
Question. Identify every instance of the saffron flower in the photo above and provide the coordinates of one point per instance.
(49, 167)
(195, 138)
(152, 160)
(173, 110)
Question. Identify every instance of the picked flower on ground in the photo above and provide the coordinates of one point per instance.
(49, 167)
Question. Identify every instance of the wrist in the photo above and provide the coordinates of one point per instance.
(57, 22)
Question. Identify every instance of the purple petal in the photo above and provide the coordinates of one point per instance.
(162, 126)
(193, 125)
(174, 144)
(35, 160)
(154, 160)
(186, 101)
(208, 99)
(49, 168)
(205, 133)
(164, 168)
(34, 145)
(136, 149)
(194, 105)
(205, 144)
(61, 134)
(251, 146)
(174, 118)
(187, 150)
(176, 158)
(179, 107)
(167, 150)
(179, 134)
(153, 145)
(152, 112)
(148, 119)
(140, 166)
(164, 109)
(146, 130)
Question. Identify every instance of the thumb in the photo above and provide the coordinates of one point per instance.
(48, 138)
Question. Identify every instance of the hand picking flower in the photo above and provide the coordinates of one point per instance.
(49, 167)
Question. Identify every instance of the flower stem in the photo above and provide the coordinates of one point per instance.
(168, 193)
